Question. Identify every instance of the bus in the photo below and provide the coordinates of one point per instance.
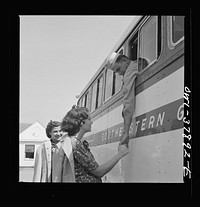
(156, 142)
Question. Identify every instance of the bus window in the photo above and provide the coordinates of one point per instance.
(149, 48)
(83, 101)
(109, 83)
(117, 79)
(117, 82)
(86, 104)
(80, 102)
(177, 28)
(133, 45)
(113, 82)
(94, 91)
(99, 91)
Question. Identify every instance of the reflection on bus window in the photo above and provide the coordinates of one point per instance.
(80, 102)
(86, 104)
(177, 28)
(109, 82)
(94, 90)
(142, 63)
(117, 79)
(99, 91)
(133, 45)
(117, 82)
(83, 101)
(148, 40)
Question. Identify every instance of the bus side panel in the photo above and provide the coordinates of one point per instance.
(155, 158)
(156, 148)
(102, 154)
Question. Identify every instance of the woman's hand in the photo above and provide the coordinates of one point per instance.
(123, 150)
(124, 139)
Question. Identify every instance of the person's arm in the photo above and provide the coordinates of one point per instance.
(106, 167)
(128, 100)
(126, 127)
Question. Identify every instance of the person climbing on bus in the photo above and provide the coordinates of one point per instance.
(123, 65)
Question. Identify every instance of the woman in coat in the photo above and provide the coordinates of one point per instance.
(51, 162)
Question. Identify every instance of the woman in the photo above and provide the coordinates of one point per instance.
(76, 123)
(47, 159)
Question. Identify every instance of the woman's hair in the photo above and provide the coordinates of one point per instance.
(50, 126)
(74, 119)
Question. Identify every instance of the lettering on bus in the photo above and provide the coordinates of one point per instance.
(165, 118)
(151, 122)
(137, 128)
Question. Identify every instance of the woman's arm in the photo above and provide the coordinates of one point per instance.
(106, 167)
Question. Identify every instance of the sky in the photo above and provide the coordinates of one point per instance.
(58, 57)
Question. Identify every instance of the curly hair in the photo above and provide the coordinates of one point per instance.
(74, 119)
(50, 126)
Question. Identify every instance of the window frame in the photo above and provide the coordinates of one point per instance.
(157, 39)
(120, 51)
(134, 35)
(105, 85)
(113, 82)
(97, 94)
(80, 101)
(27, 158)
(86, 100)
(172, 44)
(83, 101)
(95, 84)
(92, 108)
(115, 78)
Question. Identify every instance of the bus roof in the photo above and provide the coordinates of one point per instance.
(117, 45)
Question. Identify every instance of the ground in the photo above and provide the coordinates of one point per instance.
(26, 174)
